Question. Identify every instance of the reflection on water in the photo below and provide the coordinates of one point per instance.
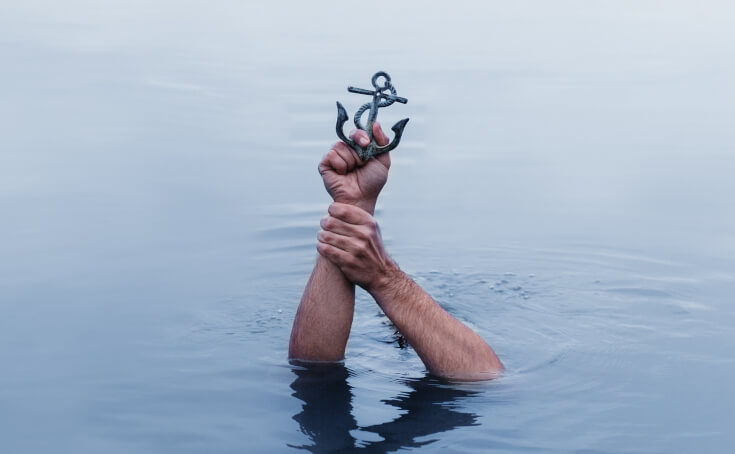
(326, 415)
(429, 408)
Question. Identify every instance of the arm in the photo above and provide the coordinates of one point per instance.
(351, 240)
(324, 317)
(446, 346)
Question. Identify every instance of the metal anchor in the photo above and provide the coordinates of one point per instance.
(383, 96)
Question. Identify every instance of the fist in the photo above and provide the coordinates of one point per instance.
(350, 180)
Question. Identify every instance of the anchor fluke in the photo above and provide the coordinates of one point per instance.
(398, 131)
(342, 118)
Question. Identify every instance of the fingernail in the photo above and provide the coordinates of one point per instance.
(364, 141)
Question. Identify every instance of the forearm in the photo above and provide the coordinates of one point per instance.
(446, 346)
(324, 317)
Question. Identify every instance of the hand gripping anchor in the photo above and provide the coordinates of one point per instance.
(383, 96)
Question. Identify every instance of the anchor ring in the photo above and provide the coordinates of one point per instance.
(385, 76)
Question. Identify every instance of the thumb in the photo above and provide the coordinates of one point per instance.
(360, 137)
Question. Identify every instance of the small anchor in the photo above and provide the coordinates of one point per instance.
(383, 96)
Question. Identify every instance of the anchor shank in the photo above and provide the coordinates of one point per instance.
(371, 119)
(373, 112)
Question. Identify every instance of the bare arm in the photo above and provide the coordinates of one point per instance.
(351, 239)
(446, 346)
(324, 317)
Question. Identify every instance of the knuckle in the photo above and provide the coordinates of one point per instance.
(362, 248)
(339, 148)
(332, 156)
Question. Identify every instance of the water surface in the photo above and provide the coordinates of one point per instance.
(564, 187)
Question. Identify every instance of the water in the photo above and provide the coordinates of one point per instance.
(564, 187)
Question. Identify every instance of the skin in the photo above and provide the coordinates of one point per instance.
(324, 317)
(351, 251)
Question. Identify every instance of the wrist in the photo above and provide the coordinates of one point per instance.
(367, 205)
(385, 280)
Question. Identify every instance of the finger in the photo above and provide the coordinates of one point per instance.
(360, 137)
(350, 214)
(333, 254)
(333, 161)
(382, 140)
(379, 135)
(338, 226)
(344, 243)
(348, 155)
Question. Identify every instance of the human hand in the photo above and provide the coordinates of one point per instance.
(350, 239)
(350, 180)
